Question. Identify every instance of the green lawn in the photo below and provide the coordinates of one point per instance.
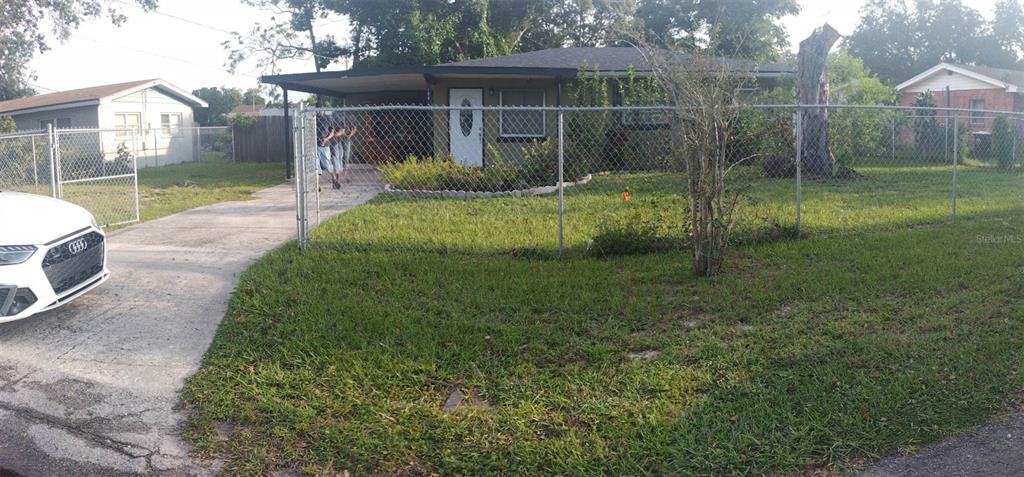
(170, 189)
(887, 328)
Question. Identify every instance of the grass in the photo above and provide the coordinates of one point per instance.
(888, 328)
(171, 189)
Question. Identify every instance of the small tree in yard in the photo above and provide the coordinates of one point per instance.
(704, 93)
(1002, 142)
(7, 124)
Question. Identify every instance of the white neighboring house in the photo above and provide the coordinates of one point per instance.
(154, 116)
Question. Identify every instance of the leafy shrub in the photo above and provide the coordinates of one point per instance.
(537, 167)
(1002, 142)
(644, 228)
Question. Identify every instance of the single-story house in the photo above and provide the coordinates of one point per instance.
(154, 114)
(536, 78)
(969, 87)
(247, 110)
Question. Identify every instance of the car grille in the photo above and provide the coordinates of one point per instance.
(72, 263)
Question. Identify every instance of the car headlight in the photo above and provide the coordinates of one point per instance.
(15, 254)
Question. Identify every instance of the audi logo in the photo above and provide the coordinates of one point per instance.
(77, 246)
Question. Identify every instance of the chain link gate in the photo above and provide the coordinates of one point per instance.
(94, 168)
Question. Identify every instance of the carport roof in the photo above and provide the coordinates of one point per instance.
(549, 63)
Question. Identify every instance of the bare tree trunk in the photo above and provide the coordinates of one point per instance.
(812, 88)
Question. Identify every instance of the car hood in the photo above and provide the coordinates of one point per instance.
(29, 219)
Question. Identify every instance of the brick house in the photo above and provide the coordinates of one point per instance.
(970, 87)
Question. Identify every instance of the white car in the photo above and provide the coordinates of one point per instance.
(51, 252)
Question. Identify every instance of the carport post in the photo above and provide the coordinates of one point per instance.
(287, 139)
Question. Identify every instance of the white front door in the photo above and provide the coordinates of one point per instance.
(465, 126)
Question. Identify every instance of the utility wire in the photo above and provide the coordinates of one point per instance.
(159, 55)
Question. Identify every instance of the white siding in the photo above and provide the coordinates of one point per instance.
(942, 78)
(156, 148)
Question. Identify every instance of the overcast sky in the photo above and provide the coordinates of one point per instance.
(151, 45)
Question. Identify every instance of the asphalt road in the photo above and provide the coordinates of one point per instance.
(91, 388)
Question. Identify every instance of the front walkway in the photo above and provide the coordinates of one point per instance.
(90, 389)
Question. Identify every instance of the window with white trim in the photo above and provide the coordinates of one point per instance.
(977, 117)
(170, 123)
(522, 124)
(128, 123)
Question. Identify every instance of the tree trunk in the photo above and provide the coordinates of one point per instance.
(812, 88)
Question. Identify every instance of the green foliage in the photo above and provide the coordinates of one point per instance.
(220, 100)
(898, 39)
(929, 135)
(536, 167)
(644, 227)
(1003, 137)
(7, 124)
(590, 89)
(23, 33)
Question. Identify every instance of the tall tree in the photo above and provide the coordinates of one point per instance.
(740, 28)
(898, 39)
(290, 34)
(220, 102)
(23, 33)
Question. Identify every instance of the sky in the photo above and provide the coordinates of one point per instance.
(181, 43)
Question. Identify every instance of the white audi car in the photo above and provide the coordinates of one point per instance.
(51, 252)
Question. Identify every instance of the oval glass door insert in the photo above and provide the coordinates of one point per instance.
(466, 118)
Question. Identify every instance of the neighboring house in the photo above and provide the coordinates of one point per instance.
(247, 110)
(969, 87)
(153, 114)
(537, 78)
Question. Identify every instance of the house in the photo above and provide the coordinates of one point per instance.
(536, 78)
(153, 114)
(247, 110)
(968, 87)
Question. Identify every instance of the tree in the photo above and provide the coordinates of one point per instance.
(289, 35)
(1003, 142)
(7, 124)
(704, 92)
(813, 88)
(253, 96)
(741, 29)
(221, 101)
(23, 35)
(898, 40)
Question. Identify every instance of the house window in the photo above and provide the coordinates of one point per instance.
(128, 123)
(523, 124)
(977, 117)
(45, 123)
(170, 123)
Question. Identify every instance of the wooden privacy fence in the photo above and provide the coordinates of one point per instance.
(262, 140)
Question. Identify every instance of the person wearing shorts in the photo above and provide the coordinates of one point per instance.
(325, 135)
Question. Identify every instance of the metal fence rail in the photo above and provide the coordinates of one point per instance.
(573, 179)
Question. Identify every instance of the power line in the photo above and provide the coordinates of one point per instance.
(44, 88)
(159, 55)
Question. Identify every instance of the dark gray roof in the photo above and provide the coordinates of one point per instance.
(1013, 77)
(605, 59)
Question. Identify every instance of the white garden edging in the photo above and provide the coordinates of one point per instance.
(463, 194)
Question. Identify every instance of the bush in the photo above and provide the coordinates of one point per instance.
(644, 228)
(537, 167)
(1002, 142)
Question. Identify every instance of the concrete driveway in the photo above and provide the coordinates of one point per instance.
(91, 388)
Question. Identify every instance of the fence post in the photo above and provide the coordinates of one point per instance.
(894, 139)
(51, 150)
(297, 128)
(956, 153)
(135, 175)
(799, 135)
(561, 183)
(232, 143)
(35, 168)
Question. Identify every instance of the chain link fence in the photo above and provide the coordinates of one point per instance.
(612, 180)
(94, 168)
